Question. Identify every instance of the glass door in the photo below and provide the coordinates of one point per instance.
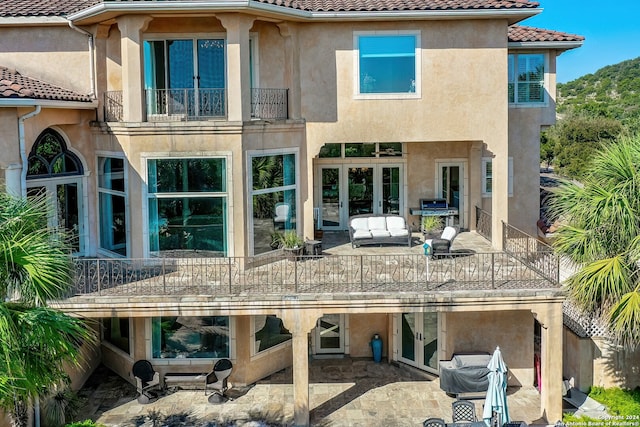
(450, 188)
(331, 202)
(418, 340)
(329, 334)
(389, 202)
(360, 190)
(66, 201)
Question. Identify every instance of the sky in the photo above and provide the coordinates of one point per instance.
(611, 29)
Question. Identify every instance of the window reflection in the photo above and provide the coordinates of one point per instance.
(190, 337)
(270, 331)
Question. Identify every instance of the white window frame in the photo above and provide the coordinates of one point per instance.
(356, 66)
(125, 194)
(488, 160)
(251, 192)
(144, 157)
(545, 82)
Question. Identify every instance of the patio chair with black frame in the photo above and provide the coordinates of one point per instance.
(217, 379)
(433, 422)
(146, 379)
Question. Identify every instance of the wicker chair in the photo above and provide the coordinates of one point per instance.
(433, 422)
(463, 410)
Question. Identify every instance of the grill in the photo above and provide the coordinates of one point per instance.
(435, 207)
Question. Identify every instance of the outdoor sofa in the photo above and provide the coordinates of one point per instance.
(377, 229)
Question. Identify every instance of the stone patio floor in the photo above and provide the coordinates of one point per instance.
(342, 392)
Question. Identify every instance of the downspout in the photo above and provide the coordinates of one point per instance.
(92, 78)
(23, 151)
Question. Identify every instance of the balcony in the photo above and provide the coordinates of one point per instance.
(171, 105)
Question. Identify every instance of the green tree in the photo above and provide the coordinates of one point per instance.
(35, 340)
(575, 139)
(601, 235)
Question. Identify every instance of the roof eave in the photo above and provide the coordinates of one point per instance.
(563, 45)
(512, 15)
(48, 103)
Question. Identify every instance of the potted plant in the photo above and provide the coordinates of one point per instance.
(291, 244)
(431, 226)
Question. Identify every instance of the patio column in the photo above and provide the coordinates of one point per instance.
(475, 182)
(238, 67)
(550, 317)
(300, 323)
(289, 31)
(131, 28)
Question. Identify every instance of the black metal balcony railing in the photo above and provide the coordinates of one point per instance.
(483, 223)
(113, 106)
(236, 276)
(185, 104)
(534, 253)
(269, 103)
(166, 105)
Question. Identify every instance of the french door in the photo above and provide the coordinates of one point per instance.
(354, 189)
(329, 334)
(417, 340)
(451, 187)
(65, 198)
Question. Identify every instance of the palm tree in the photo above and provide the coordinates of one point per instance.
(35, 340)
(601, 236)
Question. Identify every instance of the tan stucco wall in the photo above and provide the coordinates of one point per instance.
(598, 362)
(512, 331)
(361, 328)
(54, 54)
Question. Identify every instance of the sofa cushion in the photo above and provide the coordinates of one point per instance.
(377, 223)
(397, 232)
(395, 222)
(360, 224)
(380, 233)
(362, 234)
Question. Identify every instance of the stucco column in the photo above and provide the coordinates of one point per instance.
(131, 28)
(100, 40)
(300, 323)
(499, 192)
(550, 317)
(238, 63)
(475, 182)
(289, 31)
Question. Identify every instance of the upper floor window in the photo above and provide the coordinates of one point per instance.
(185, 76)
(526, 78)
(487, 176)
(112, 204)
(387, 63)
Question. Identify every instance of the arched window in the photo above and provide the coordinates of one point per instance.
(49, 158)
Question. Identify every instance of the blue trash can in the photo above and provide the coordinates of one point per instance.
(376, 346)
(427, 249)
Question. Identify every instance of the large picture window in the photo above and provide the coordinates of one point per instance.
(269, 332)
(187, 206)
(387, 63)
(526, 78)
(112, 205)
(273, 194)
(116, 331)
(190, 337)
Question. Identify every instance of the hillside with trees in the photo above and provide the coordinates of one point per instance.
(593, 111)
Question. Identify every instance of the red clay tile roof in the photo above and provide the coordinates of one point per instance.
(15, 85)
(520, 34)
(14, 8)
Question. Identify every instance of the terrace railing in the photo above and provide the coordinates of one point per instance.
(236, 276)
(483, 223)
(534, 253)
(113, 106)
(269, 103)
(185, 104)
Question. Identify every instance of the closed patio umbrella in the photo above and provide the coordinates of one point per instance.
(496, 400)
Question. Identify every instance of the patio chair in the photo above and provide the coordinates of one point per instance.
(282, 215)
(217, 380)
(433, 422)
(442, 244)
(146, 379)
(463, 410)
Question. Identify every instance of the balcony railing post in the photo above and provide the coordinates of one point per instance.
(164, 278)
(362, 273)
(493, 270)
(229, 266)
(98, 276)
(295, 274)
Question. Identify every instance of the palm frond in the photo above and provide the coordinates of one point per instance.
(624, 319)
